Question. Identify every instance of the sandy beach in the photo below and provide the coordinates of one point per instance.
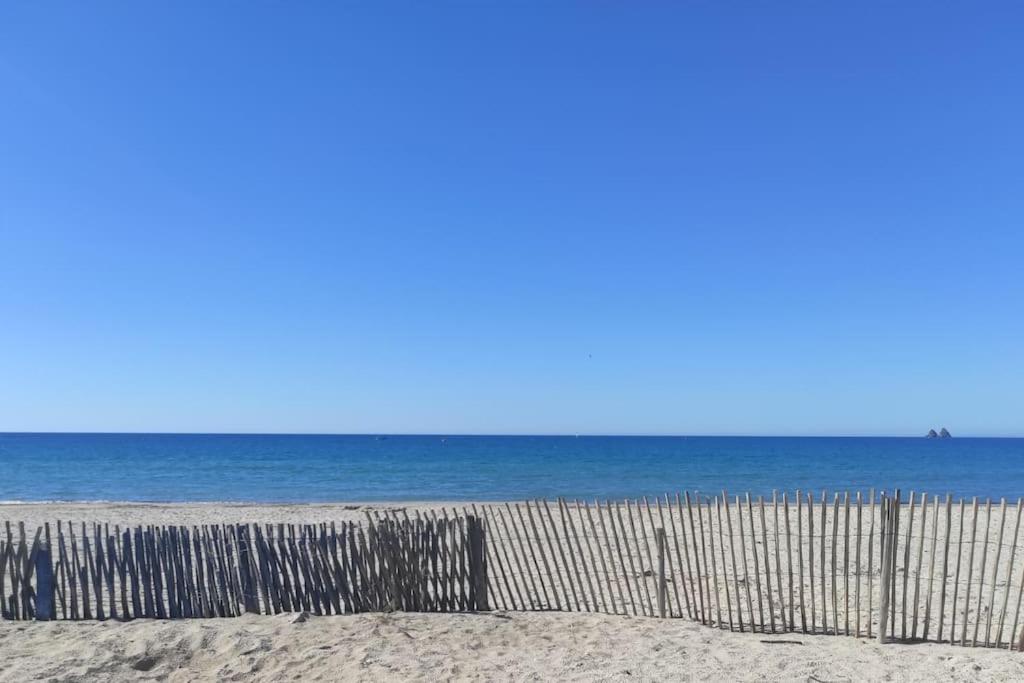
(503, 645)
(480, 647)
(547, 341)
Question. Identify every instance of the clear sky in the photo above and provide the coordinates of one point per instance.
(594, 217)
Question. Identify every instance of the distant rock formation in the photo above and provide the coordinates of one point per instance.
(931, 434)
(944, 434)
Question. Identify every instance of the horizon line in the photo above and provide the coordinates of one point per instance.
(509, 435)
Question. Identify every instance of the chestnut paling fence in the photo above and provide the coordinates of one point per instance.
(892, 568)
(224, 571)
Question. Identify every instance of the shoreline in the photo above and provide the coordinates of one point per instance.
(186, 514)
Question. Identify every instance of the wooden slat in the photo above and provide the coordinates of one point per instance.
(835, 541)
(132, 573)
(981, 572)
(800, 560)
(154, 571)
(821, 568)
(810, 559)
(89, 565)
(1009, 577)
(743, 557)
(789, 560)
(920, 557)
(895, 558)
(229, 546)
(46, 579)
(280, 587)
(970, 571)
(945, 562)
(883, 583)
(443, 596)
(705, 612)
(714, 568)
(931, 568)
(995, 572)
(767, 565)
(856, 573)
(725, 570)
(906, 566)
(684, 570)
(69, 573)
(956, 579)
(462, 540)
(757, 568)
(846, 563)
(871, 552)
(778, 564)
(279, 543)
(885, 532)
(732, 556)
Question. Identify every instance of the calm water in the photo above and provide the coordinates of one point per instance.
(203, 467)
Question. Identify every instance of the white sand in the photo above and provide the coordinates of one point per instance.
(496, 646)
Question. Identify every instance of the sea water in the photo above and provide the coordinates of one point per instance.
(305, 468)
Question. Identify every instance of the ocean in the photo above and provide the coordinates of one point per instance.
(310, 468)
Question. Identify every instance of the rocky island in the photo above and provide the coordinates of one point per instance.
(942, 434)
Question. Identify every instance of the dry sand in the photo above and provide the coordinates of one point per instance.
(495, 646)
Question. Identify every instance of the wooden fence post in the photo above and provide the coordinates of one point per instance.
(659, 534)
(476, 542)
(44, 583)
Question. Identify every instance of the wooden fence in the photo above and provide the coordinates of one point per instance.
(895, 569)
(222, 571)
(918, 568)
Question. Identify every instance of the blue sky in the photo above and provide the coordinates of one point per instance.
(686, 218)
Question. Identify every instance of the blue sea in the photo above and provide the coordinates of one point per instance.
(295, 468)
